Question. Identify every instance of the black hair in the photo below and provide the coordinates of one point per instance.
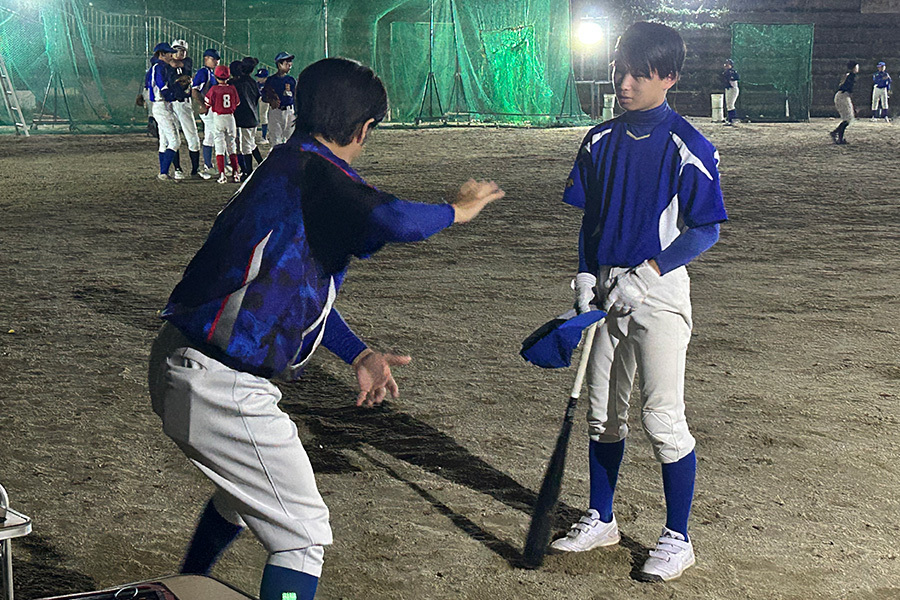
(647, 48)
(335, 97)
(237, 68)
(851, 64)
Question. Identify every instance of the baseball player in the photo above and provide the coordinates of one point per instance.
(880, 91)
(255, 303)
(279, 93)
(161, 97)
(203, 80)
(246, 116)
(181, 83)
(222, 100)
(843, 102)
(649, 186)
(261, 77)
(730, 84)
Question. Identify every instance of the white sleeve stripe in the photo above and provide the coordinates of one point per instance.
(688, 157)
(598, 136)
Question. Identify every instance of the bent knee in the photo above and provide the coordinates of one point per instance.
(669, 435)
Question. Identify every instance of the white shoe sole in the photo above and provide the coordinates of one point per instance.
(599, 544)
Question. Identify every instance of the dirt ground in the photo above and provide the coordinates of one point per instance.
(792, 379)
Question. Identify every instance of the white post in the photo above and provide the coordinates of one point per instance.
(718, 107)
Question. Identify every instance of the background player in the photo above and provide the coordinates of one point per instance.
(649, 186)
(161, 96)
(843, 102)
(730, 84)
(203, 80)
(246, 117)
(255, 303)
(881, 89)
(279, 93)
(182, 68)
(261, 77)
(222, 100)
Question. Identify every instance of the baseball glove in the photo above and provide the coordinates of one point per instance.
(184, 81)
(139, 101)
(272, 98)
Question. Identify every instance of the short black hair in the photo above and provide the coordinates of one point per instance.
(335, 97)
(237, 68)
(647, 48)
(851, 64)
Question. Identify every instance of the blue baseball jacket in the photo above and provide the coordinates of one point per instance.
(258, 296)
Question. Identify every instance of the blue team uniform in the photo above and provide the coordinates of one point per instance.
(203, 80)
(157, 81)
(663, 161)
(284, 87)
(259, 294)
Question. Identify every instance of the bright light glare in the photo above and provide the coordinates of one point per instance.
(590, 33)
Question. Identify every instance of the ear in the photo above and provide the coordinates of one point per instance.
(364, 131)
(669, 80)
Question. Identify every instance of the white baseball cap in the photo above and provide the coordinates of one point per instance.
(180, 44)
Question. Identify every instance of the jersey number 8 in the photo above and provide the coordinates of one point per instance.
(226, 100)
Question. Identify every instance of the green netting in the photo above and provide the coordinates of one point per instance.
(775, 65)
(78, 64)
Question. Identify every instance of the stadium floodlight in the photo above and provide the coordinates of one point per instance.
(590, 32)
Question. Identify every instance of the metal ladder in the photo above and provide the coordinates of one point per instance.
(12, 525)
(11, 100)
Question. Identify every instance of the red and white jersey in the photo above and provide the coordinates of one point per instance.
(222, 99)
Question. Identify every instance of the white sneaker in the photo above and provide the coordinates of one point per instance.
(223, 178)
(237, 178)
(201, 175)
(165, 177)
(588, 533)
(179, 174)
(264, 142)
(670, 558)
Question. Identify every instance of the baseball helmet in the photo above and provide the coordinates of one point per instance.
(179, 44)
(212, 52)
(283, 56)
(881, 64)
(164, 48)
(262, 73)
(222, 72)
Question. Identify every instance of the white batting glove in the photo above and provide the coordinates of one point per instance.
(629, 290)
(584, 284)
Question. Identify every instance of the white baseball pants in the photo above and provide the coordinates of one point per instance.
(184, 113)
(844, 105)
(224, 132)
(246, 140)
(731, 95)
(879, 96)
(209, 138)
(651, 341)
(230, 427)
(168, 130)
(281, 124)
(263, 112)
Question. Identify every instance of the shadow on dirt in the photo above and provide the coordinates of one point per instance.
(38, 574)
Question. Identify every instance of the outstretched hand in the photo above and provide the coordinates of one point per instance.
(373, 373)
(473, 196)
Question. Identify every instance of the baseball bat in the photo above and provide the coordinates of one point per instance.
(539, 531)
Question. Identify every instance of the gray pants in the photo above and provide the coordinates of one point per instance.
(229, 425)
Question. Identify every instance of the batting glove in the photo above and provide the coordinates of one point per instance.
(584, 285)
(629, 289)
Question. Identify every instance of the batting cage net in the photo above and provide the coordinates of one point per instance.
(775, 66)
(78, 65)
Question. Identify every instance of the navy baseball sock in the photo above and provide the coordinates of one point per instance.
(162, 163)
(732, 115)
(208, 156)
(265, 131)
(240, 159)
(177, 160)
(279, 583)
(678, 486)
(168, 157)
(195, 161)
(257, 155)
(605, 460)
(212, 536)
(248, 164)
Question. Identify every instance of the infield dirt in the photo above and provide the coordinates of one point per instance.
(792, 376)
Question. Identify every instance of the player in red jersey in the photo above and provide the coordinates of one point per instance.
(223, 99)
